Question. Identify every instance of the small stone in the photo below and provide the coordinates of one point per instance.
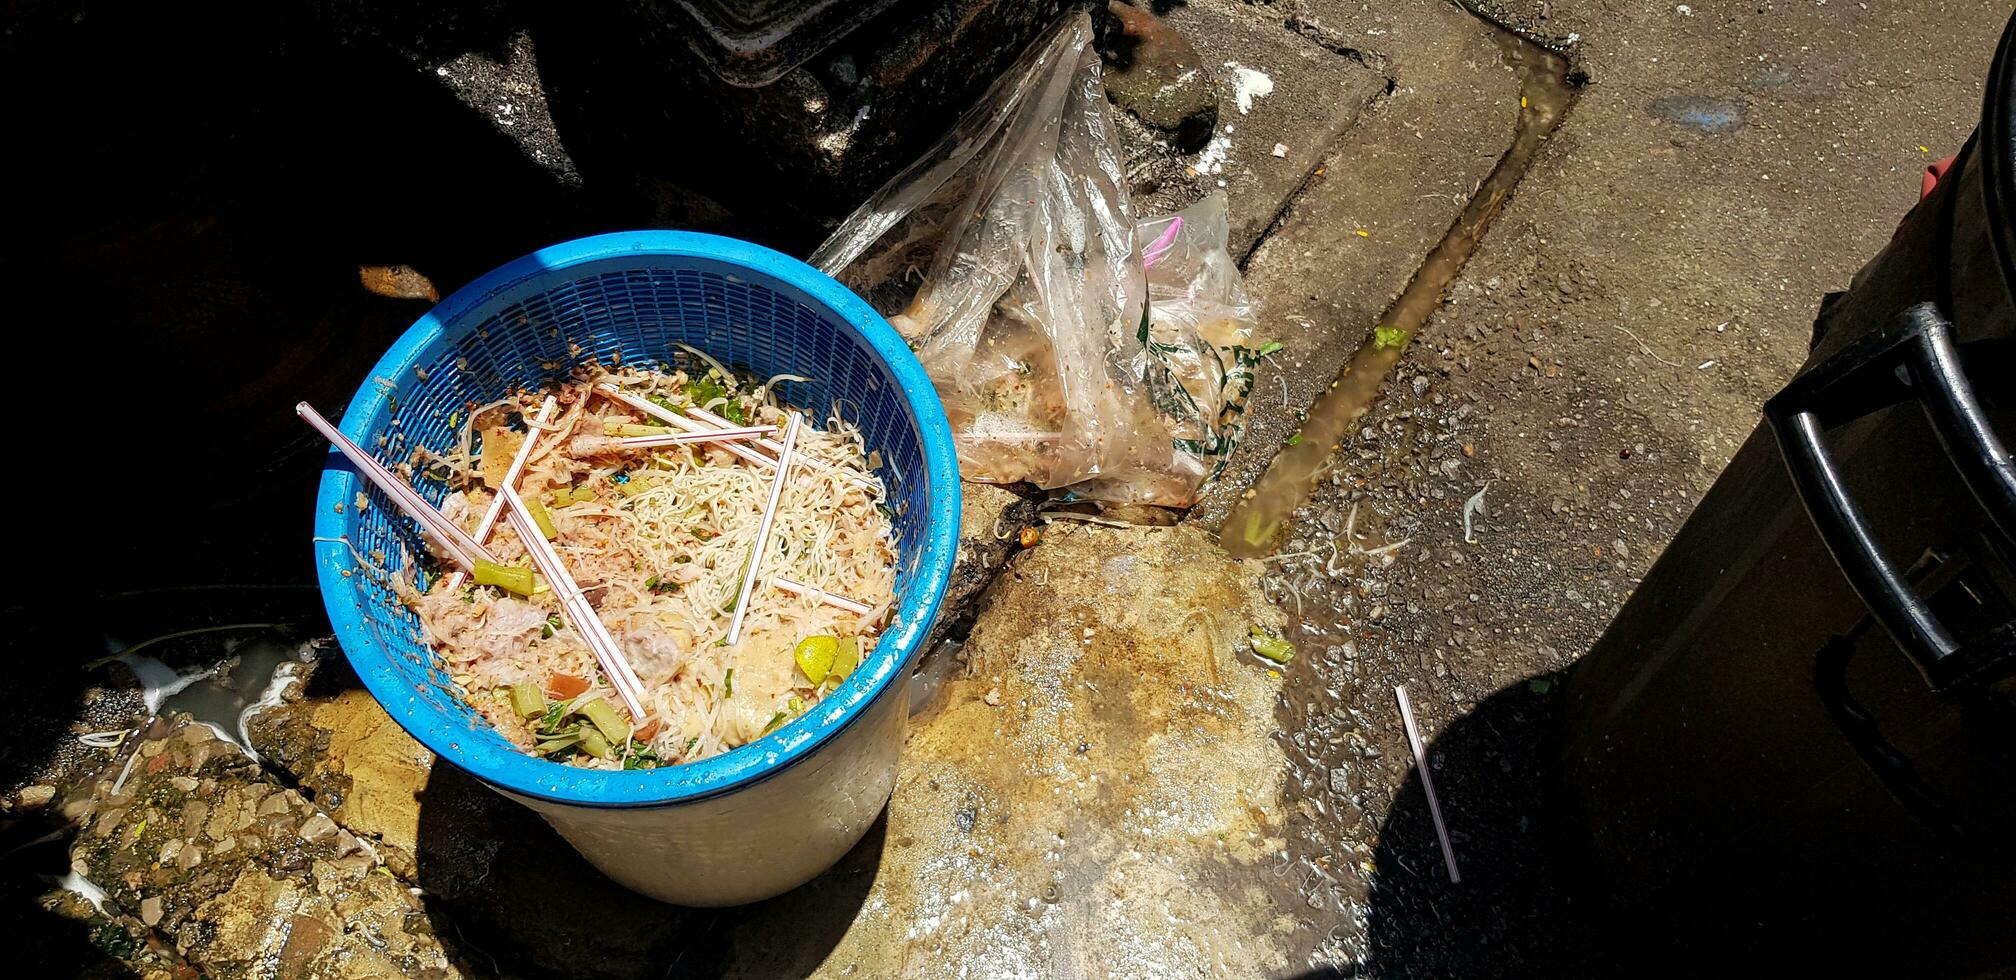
(317, 827)
(194, 814)
(1619, 547)
(149, 750)
(277, 803)
(108, 821)
(225, 846)
(195, 734)
(186, 784)
(150, 911)
(35, 797)
(1280, 149)
(190, 856)
(994, 697)
(1420, 384)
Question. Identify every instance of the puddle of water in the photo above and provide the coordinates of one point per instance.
(225, 695)
(1255, 526)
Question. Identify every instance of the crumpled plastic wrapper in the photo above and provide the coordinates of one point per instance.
(1073, 347)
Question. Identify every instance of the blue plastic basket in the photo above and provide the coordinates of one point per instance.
(637, 294)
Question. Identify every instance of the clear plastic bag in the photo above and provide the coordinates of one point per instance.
(1009, 258)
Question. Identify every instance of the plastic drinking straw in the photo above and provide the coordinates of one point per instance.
(855, 606)
(681, 438)
(510, 480)
(459, 545)
(1427, 782)
(579, 612)
(763, 530)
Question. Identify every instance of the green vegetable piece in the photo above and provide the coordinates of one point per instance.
(1269, 348)
(583, 495)
(559, 744)
(551, 627)
(510, 578)
(1389, 338)
(775, 720)
(640, 756)
(632, 429)
(632, 487)
(541, 518)
(816, 655)
(796, 704)
(594, 744)
(1270, 646)
(728, 683)
(660, 586)
(527, 701)
(1295, 440)
(604, 718)
(846, 657)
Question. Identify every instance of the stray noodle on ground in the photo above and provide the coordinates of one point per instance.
(658, 538)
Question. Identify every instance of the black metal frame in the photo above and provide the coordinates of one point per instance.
(1912, 359)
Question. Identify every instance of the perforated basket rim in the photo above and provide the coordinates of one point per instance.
(497, 763)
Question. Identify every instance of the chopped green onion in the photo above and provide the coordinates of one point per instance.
(527, 701)
(728, 683)
(550, 627)
(594, 744)
(541, 518)
(815, 656)
(771, 726)
(603, 717)
(1270, 646)
(632, 429)
(552, 745)
(510, 578)
(1295, 440)
(695, 740)
(660, 586)
(796, 704)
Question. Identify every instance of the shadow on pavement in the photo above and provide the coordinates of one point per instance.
(1514, 913)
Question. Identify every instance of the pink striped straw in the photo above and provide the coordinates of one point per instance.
(855, 606)
(679, 421)
(460, 546)
(763, 530)
(708, 435)
(705, 421)
(1160, 249)
(579, 612)
(496, 509)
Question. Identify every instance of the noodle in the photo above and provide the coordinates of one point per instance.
(658, 540)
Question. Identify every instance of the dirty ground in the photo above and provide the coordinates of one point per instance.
(1100, 777)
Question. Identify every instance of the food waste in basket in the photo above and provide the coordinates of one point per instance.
(653, 523)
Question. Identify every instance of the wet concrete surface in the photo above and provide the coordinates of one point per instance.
(1105, 781)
